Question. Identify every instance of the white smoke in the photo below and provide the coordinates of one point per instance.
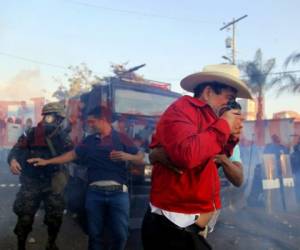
(25, 85)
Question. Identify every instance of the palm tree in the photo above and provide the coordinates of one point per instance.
(257, 73)
(292, 82)
(292, 58)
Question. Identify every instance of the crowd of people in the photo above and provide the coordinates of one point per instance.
(257, 159)
(10, 129)
(194, 138)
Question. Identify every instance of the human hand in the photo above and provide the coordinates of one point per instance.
(219, 159)
(120, 156)
(15, 167)
(38, 162)
(159, 155)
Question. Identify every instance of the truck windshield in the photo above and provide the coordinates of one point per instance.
(141, 103)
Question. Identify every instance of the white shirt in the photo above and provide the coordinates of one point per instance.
(179, 219)
(184, 220)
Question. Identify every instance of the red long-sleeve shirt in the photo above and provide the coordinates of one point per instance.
(192, 135)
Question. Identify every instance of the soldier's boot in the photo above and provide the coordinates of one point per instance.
(51, 246)
(21, 244)
(53, 218)
(22, 230)
(52, 235)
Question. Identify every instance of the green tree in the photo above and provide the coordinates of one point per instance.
(61, 93)
(291, 82)
(258, 78)
(79, 79)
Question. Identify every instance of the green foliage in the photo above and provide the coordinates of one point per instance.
(258, 78)
(291, 82)
(258, 73)
(79, 80)
(61, 93)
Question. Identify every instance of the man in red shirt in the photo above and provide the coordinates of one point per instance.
(192, 133)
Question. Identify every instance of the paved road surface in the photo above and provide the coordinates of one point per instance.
(239, 227)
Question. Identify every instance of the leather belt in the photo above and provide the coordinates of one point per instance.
(107, 188)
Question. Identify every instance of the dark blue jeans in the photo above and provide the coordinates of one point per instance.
(107, 210)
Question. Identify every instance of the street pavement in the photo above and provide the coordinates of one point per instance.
(71, 236)
(239, 227)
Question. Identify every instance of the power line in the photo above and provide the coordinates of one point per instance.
(285, 72)
(277, 73)
(66, 68)
(139, 13)
(32, 60)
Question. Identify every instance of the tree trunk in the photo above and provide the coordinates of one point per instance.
(260, 107)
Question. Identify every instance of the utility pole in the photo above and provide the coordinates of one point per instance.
(233, 46)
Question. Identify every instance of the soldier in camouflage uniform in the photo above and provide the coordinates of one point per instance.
(45, 185)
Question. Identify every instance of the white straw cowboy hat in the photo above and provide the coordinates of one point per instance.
(227, 74)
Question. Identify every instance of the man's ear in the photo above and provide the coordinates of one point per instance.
(206, 93)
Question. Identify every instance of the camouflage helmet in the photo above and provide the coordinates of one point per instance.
(54, 107)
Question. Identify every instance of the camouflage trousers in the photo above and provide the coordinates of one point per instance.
(33, 191)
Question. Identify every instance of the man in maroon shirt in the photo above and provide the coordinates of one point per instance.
(192, 133)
